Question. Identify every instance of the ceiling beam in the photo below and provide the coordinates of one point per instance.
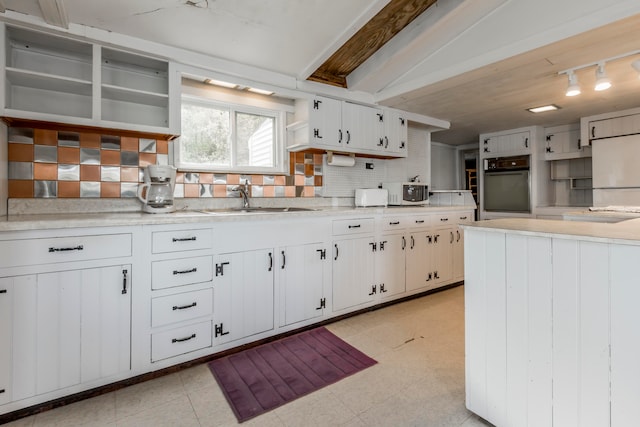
(396, 15)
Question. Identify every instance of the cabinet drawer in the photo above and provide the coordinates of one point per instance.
(181, 307)
(394, 223)
(15, 253)
(180, 240)
(180, 341)
(183, 271)
(353, 226)
(420, 221)
(463, 217)
(444, 219)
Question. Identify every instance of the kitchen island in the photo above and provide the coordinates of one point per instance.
(551, 322)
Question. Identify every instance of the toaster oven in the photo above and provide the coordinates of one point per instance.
(407, 193)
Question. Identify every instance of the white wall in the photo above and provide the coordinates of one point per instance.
(444, 167)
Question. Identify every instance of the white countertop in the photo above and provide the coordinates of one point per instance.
(75, 220)
(627, 231)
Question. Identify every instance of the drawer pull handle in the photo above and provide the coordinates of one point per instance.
(419, 221)
(74, 248)
(354, 226)
(183, 307)
(3, 291)
(184, 239)
(463, 218)
(175, 340)
(394, 223)
(444, 219)
(193, 270)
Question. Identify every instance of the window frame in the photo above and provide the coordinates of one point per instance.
(281, 164)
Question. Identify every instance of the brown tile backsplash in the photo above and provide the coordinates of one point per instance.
(65, 164)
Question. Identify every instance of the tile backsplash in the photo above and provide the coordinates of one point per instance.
(45, 163)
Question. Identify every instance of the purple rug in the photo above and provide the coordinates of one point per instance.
(262, 378)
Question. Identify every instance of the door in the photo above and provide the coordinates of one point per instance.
(325, 117)
(6, 294)
(353, 272)
(243, 294)
(301, 272)
(507, 191)
(390, 268)
(622, 152)
(70, 327)
(418, 260)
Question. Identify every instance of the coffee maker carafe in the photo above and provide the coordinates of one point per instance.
(159, 182)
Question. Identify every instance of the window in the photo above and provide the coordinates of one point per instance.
(230, 138)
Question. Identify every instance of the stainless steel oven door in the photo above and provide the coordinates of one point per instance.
(507, 191)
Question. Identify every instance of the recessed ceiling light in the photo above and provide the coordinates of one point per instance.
(543, 108)
(260, 91)
(221, 83)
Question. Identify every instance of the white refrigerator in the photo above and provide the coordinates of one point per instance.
(616, 171)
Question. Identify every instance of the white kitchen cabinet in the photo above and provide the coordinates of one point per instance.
(563, 142)
(301, 272)
(353, 270)
(505, 143)
(84, 336)
(6, 315)
(334, 125)
(53, 78)
(390, 265)
(419, 254)
(243, 294)
(608, 125)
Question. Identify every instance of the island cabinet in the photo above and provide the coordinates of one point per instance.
(353, 271)
(551, 336)
(65, 302)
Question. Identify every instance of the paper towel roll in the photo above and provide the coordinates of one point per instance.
(337, 160)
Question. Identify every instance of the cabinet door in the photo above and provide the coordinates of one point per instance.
(301, 272)
(70, 327)
(458, 254)
(353, 272)
(243, 294)
(325, 121)
(489, 146)
(418, 260)
(517, 142)
(353, 116)
(390, 265)
(396, 132)
(443, 240)
(6, 295)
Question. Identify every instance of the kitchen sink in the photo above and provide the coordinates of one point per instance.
(254, 210)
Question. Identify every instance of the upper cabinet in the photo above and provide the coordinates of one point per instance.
(610, 125)
(58, 79)
(335, 125)
(563, 142)
(505, 143)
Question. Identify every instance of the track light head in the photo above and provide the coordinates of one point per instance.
(574, 88)
(602, 81)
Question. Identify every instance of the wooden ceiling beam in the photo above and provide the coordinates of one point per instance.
(396, 15)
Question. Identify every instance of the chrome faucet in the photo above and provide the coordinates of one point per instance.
(244, 193)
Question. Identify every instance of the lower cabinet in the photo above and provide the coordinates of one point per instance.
(390, 265)
(353, 272)
(419, 263)
(67, 328)
(243, 294)
(301, 280)
(6, 310)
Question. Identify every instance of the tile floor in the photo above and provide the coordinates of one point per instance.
(418, 381)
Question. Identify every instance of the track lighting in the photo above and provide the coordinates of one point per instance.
(602, 81)
(574, 88)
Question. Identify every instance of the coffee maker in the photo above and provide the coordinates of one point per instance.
(159, 182)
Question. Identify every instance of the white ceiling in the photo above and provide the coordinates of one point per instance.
(475, 64)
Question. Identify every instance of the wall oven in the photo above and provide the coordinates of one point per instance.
(507, 187)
